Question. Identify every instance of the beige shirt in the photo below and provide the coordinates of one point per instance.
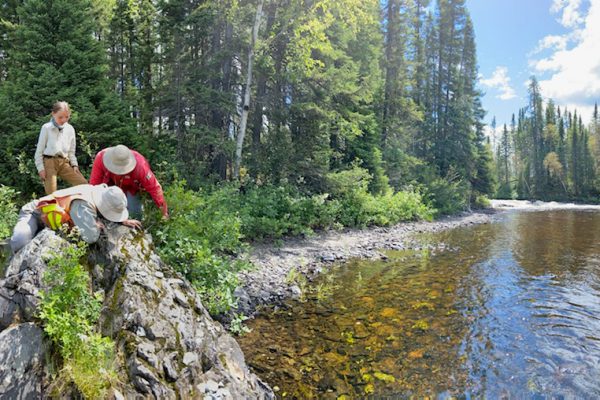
(52, 142)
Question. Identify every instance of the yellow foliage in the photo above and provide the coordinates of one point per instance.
(552, 164)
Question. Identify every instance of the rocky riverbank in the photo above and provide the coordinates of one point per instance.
(269, 284)
(166, 344)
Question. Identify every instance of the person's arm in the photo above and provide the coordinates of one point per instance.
(39, 152)
(98, 174)
(71, 152)
(151, 185)
(85, 218)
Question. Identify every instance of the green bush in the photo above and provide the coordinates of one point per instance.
(208, 216)
(447, 196)
(360, 208)
(273, 212)
(10, 211)
(199, 240)
(391, 208)
(69, 312)
(206, 227)
(482, 201)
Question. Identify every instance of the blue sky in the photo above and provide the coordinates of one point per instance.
(558, 41)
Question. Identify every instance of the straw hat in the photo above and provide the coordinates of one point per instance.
(111, 202)
(119, 160)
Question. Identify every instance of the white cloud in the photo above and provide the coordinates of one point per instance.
(570, 74)
(570, 12)
(552, 42)
(490, 133)
(500, 81)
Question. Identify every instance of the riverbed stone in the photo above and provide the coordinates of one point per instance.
(267, 284)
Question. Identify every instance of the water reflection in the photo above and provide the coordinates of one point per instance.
(513, 312)
(535, 330)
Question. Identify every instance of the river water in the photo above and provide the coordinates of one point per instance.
(509, 309)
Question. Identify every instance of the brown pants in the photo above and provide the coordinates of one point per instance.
(59, 166)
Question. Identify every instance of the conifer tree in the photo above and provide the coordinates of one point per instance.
(8, 21)
(131, 41)
(504, 155)
(55, 56)
(536, 126)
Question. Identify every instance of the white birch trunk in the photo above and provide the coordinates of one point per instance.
(246, 104)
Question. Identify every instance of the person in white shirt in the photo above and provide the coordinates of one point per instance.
(55, 152)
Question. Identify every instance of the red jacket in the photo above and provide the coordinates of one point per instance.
(140, 178)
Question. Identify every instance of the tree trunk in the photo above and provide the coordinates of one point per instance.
(246, 104)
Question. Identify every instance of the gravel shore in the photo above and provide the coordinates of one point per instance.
(267, 283)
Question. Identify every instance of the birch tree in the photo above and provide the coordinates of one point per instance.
(246, 103)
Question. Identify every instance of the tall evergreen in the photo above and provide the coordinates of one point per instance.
(55, 56)
(504, 157)
(419, 52)
(554, 152)
(334, 73)
(536, 126)
(8, 20)
(388, 86)
(455, 95)
(404, 80)
(132, 40)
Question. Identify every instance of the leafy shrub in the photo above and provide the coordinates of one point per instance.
(360, 208)
(202, 214)
(206, 227)
(482, 201)
(69, 312)
(447, 196)
(199, 240)
(9, 216)
(348, 182)
(276, 211)
(402, 206)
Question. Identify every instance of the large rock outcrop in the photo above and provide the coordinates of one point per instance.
(22, 351)
(167, 345)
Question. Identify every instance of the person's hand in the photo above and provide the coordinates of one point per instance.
(42, 174)
(132, 223)
(165, 212)
(76, 168)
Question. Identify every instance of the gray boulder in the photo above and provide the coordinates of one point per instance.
(22, 351)
(167, 345)
(19, 290)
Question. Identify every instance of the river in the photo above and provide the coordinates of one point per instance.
(509, 309)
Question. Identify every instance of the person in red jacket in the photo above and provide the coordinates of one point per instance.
(130, 171)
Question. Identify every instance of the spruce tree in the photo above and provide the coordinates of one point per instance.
(8, 20)
(536, 126)
(55, 56)
(504, 155)
(131, 41)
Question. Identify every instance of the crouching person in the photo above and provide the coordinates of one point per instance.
(78, 206)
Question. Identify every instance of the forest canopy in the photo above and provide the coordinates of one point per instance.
(257, 92)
